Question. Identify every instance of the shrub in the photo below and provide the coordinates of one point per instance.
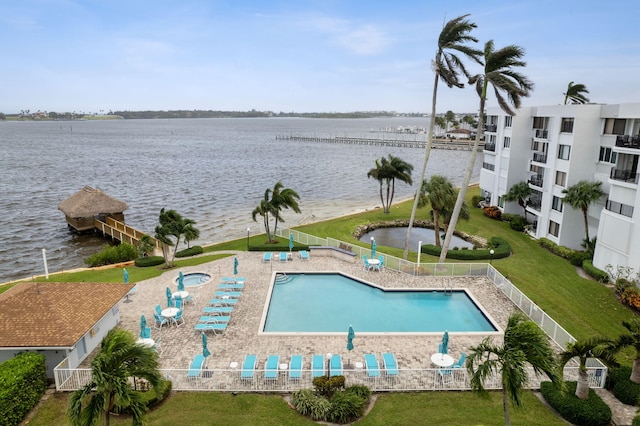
(509, 217)
(345, 407)
(24, 380)
(594, 272)
(191, 251)
(626, 391)
(592, 412)
(517, 223)
(636, 420)
(631, 297)
(501, 249)
(577, 257)
(327, 386)
(361, 391)
(492, 212)
(303, 401)
(112, 254)
(149, 397)
(475, 200)
(617, 374)
(143, 262)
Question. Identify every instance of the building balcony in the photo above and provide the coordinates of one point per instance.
(540, 157)
(490, 146)
(490, 128)
(536, 181)
(624, 175)
(541, 133)
(628, 141)
(619, 208)
(534, 203)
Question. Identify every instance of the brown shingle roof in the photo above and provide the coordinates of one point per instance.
(89, 202)
(54, 314)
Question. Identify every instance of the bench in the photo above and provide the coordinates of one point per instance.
(341, 252)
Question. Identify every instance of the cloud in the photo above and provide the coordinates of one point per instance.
(357, 38)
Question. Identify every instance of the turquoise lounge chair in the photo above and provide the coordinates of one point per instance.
(217, 309)
(317, 366)
(235, 280)
(266, 257)
(283, 256)
(390, 364)
(214, 318)
(304, 255)
(271, 367)
(211, 326)
(248, 367)
(230, 286)
(335, 365)
(196, 367)
(371, 362)
(233, 294)
(223, 302)
(295, 367)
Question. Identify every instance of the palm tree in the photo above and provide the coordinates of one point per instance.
(283, 198)
(509, 87)
(264, 209)
(525, 344)
(632, 339)
(580, 196)
(519, 192)
(447, 66)
(575, 94)
(172, 224)
(387, 171)
(583, 350)
(119, 359)
(440, 194)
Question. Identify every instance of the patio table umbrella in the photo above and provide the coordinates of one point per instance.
(143, 324)
(180, 281)
(350, 336)
(235, 266)
(445, 342)
(125, 276)
(290, 242)
(169, 298)
(205, 350)
(374, 246)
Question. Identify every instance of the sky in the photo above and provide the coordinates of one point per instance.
(93, 56)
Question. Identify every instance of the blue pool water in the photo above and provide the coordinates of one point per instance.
(332, 302)
(195, 279)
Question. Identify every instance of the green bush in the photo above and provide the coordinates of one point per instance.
(191, 251)
(592, 412)
(594, 272)
(23, 380)
(616, 374)
(149, 397)
(517, 223)
(143, 262)
(360, 390)
(509, 217)
(327, 386)
(501, 249)
(112, 254)
(345, 407)
(303, 401)
(626, 391)
(636, 420)
(576, 258)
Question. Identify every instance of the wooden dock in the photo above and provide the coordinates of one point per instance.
(458, 145)
(122, 232)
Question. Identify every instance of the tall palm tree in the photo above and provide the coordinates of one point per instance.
(387, 170)
(583, 350)
(119, 359)
(575, 94)
(509, 87)
(525, 344)
(439, 193)
(632, 339)
(581, 196)
(519, 192)
(283, 198)
(172, 224)
(447, 66)
(264, 209)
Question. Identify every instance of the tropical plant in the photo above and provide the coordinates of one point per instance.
(447, 66)
(525, 344)
(272, 204)
(449, 117)
(575, 94)
(441, 122)
(509, 87)
(387, 171)
(439, 193)
(631, 339)
(581, 196)
(584, 349)
(145, 246)
(519, 192)
(119, 359)
(172, 224)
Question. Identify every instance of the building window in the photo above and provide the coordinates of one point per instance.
(556, 203)
(507, 121)
(607, 155)
(623, 209)
(501, 201)
(488, 166)
(567, 125)
(561, 178)
(507, 142)
(614, 126)
(563, 152)
(554, 228)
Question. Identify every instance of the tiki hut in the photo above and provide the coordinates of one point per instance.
(88, 204)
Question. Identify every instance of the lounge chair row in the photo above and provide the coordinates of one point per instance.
(217, 314)
(283, 256)
(271, 367)
(389, 364)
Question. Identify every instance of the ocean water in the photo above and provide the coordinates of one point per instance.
(214, 171)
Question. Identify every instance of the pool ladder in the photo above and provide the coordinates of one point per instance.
(282, 278)
(448, 287)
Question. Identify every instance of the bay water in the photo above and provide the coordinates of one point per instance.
(214, 171)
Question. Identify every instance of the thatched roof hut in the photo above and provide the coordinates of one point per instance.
(82, 207)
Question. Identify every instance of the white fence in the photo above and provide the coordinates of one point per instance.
(407, 380)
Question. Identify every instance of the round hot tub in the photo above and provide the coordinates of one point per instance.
(194, 279)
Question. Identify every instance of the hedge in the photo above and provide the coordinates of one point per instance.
(191, 251)
(501, 249)
(23, 380)
(594, 272)
(592, 412)
(112, 254)
(143, 262)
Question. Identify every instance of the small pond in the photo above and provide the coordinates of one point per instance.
(395, 237)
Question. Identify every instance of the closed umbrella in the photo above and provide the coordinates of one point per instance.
(169, 298)
(374, 246)
(445, 342)
(180, 281)
(290, 242)
(350, 336)
(235, 266)
(125, 276)
(143, 324)
(205, 350)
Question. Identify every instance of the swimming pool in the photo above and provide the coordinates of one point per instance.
(194, 279)
(330, 302)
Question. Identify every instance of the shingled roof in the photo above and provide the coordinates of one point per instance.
(89, 202)
(36, 314)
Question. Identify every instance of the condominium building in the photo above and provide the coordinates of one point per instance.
(554, 147)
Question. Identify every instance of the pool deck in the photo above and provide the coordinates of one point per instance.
(181, 344)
